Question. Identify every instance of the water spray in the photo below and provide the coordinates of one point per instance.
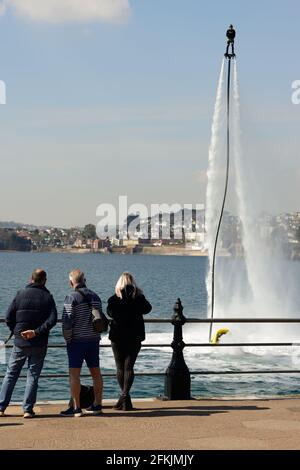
(229, 56)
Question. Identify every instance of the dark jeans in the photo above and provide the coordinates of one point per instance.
(125, 356)
(35, 357)
(232, 47)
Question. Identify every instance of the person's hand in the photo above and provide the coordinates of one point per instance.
(28, 334)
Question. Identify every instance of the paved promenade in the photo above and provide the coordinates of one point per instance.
(156, 425)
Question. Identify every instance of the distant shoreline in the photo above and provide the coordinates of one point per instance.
(156, 252)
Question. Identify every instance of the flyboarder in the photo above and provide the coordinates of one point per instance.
(230, 41)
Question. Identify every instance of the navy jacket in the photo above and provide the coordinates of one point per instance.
(33, 308)
(127, 317)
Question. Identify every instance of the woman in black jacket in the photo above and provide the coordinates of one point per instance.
(127, 331)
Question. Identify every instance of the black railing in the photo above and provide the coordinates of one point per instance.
(177, 376)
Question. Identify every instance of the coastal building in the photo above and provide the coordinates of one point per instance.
(78, 243)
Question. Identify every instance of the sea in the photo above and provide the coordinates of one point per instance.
(163, 279)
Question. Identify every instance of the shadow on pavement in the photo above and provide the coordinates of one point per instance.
(158, 412)
(212, 408)
(3, 425)
(135, 413)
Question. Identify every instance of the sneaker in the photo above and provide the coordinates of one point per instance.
(71, 412)
(29, 415)
(78, 413)
(94, 410)
(2, 413)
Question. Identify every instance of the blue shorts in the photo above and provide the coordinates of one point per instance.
(87, 351)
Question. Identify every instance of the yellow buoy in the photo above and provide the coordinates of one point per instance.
(216, 337)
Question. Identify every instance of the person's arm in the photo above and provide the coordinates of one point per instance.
(145, 306)
(68, 318)
(109, 309)
(10, 317)
(50, 322)
(97, 303)
(112, 307)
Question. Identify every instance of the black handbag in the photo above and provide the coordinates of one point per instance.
(99, 320)
(87, 397)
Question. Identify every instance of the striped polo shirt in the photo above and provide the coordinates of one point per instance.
(77, 316)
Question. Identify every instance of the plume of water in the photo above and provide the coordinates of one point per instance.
(269, 275)
(257, 285)
(255, 250)
(215, 171)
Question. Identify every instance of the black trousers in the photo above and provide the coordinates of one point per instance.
(125, 356)
(232, 46)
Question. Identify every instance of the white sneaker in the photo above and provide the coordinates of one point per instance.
(71, 412)
(94, 410)
(29, 415)
(78, 413)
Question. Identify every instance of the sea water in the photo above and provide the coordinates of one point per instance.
(163, 279)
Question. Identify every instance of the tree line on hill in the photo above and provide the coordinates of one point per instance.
(9, 240)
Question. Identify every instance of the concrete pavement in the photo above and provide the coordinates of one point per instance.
(158, 425)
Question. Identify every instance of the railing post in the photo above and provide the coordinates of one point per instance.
(177, 377)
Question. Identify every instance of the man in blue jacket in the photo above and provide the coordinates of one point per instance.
(30, 318)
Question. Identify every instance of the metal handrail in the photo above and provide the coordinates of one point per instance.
(202, 373)
(197, 372)
(189, 345)
(217, 320)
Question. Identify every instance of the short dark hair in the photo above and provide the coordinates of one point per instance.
(39, 276)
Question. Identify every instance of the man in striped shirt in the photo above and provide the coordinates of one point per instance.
(82, 341)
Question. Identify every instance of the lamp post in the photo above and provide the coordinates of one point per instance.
(177, 378)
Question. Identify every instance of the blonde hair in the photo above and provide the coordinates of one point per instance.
(127, 279)
(77, 276)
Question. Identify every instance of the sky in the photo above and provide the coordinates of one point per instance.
(115, 97)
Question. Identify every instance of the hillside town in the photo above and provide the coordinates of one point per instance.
(163, 234)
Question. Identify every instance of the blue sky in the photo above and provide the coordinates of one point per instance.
(99, 108)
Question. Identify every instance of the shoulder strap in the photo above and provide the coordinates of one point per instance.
(9, 338)
(84, 296)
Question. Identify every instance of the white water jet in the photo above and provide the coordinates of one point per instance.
(215, 183)
(263, 289)
(257, 257)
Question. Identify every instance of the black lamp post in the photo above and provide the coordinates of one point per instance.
(177, 378)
